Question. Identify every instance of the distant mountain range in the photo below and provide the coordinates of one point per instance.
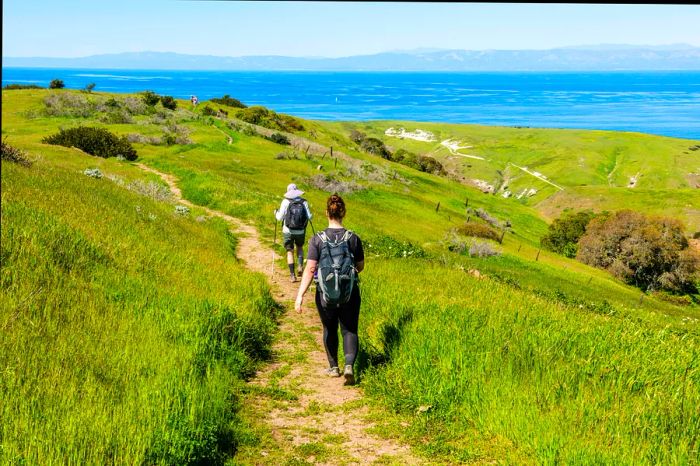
(580, 58)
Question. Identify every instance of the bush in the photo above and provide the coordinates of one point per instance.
(56, 84)
(89, 88)
(208, 111)
(93, 173)
(483, 249)
(150, 98)
(12, 87)
(279, 138)
(357, 136)
(564, 233)
(229, 101)
(95, 141)
(478, 230)
(69, 105)
(330, 184)
(262, 116)
(376, 147)
(168, 102)
(648, 252)
(14, 155)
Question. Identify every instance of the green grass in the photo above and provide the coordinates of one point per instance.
(553, 382)
(120, 342)
(139, 346)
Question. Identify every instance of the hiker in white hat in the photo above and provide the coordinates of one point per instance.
(295, 214)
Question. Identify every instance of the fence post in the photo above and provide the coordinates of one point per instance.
(437, 209)
(538, 255)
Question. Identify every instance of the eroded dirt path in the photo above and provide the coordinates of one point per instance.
(301, 416)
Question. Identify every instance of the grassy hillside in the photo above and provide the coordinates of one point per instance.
(120, 342)
(544, 360)
(596, 168)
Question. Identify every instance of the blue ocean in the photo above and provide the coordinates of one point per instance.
(663, 103)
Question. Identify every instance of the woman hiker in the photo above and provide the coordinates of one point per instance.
(295, 213)
(337, 301)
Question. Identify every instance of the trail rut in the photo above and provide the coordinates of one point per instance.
(325, 415)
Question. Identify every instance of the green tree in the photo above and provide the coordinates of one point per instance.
(56, 84)
(564, 233)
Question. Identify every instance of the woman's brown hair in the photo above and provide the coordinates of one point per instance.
(335, 207)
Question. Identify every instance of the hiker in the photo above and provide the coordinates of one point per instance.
(295, 213)
(336, 256)
(194, 100)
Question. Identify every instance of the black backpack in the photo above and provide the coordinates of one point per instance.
(296, 218)
(336, 270)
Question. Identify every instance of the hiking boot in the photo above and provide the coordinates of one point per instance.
(293, 278)
(333, 371)
(349, 376)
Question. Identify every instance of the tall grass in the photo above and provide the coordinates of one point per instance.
(126, 329)
(554, 383)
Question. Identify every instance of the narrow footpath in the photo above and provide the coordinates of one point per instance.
(300, 415)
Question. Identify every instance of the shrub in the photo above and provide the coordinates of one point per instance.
(357, 136)
(229, 101)
(89, 88)
(95, 141)
(330, 184)
(376, 147)
(168, 102)
(93, 173)
(11, 87)
(478, 230)
(564, 233)
(176, 134)
(262, 116)
(14, 155)
(255, 115)
(69, 105)
(279, 138)
(483, 249)
(56, 84)
(429, 164)
(143, 139)
(150, 98)
(493, 221)
(648, 252)
(208, 111)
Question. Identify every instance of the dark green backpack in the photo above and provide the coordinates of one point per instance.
(336, 270)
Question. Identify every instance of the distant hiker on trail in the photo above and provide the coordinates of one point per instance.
(194, 100)
(338, 256)
(295, 213)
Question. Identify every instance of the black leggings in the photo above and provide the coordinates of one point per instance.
(348, 316)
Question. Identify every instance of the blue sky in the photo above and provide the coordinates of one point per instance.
(71, 28)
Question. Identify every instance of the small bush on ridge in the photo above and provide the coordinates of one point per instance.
(56, 84)
(12, 87)
(478, 230)
(168, 102)
(95, 141)
(229, 101)
(279, 138)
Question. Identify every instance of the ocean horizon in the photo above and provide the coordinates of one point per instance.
(664, 103)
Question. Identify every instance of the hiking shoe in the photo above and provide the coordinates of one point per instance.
(293, 278)
(333, 371)
(349, 376)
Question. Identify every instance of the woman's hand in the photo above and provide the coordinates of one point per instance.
(298, 303)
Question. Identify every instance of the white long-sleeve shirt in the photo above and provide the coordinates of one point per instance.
(282, 212)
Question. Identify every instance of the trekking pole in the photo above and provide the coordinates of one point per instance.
(274, 241)
(312, 227)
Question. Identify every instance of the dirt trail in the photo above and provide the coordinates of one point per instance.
(326, 422)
